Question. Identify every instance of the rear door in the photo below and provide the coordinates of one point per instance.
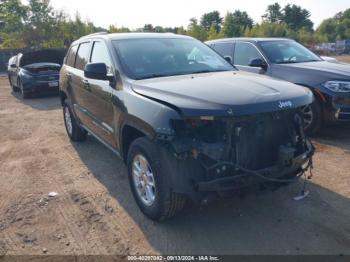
(244, 53)
(99, 99)
(78, 87)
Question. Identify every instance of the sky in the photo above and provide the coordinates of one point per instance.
(136, 13)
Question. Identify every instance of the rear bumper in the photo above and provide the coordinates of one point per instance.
(40, 87)
(247, 178)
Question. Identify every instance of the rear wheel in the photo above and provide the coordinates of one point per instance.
(74, 131)
(150, 182)
(313, 117)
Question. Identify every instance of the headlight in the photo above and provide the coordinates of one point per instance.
(337, 86)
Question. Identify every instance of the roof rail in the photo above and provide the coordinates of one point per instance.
(97, 33)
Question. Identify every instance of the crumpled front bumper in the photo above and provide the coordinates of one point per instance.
(248, 177)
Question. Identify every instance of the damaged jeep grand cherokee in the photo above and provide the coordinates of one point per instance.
(186, 122)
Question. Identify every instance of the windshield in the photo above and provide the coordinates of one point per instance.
(148, 58)
(284, 52)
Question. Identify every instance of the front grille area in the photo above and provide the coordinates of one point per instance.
(342, 101)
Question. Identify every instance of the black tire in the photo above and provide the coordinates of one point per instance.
(166, 203)
(24, 95)
(76, 133)
(317, 118)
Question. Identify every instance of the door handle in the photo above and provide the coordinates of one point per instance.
(69, 76)
(86, 84)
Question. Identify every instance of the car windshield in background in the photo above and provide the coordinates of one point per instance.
(284, 52)
(148, 58)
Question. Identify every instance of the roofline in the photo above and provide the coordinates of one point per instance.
(133, 35)
(252, 39)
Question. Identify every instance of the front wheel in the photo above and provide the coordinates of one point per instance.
(150, 181)
(74, 131)
(313, 117)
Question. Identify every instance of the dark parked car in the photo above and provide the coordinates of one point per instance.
(186, 122)
(36, 71)
(288, 60)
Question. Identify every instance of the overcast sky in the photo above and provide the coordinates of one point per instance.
(136, 13)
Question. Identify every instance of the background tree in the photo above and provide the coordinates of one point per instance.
(211, 19)
(236, 23)
(36, 24)
(297, 18)
(213, 34)
(335, 28)
(273, 14)
(13, 14)
(195, 30)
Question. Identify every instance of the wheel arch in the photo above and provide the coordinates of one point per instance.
(63, 96)
(129, 133)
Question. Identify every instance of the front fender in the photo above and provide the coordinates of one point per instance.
(149, 116)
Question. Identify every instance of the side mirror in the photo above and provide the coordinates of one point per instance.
(228, 59)
(258, 62)
(13, 66)
(96, 71)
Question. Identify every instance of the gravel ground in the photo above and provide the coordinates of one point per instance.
(94, 212)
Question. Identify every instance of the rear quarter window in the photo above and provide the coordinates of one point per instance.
(70, 61)
(224, 49)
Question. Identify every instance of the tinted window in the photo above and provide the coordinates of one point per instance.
(100, 55)
(82, 56)
(245, 53)
(71, 56)
(224, 49)
(282, 52)
(147, 58)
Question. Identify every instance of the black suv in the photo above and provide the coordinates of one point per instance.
(186, 122)
(288, 60)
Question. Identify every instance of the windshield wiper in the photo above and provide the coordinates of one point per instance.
(155, 76)
(179, 73)
(288, 62)
(206, 71)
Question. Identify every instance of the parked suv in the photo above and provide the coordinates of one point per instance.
(288, 60)
(186, 122)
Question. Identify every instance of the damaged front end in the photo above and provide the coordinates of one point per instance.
(235, 152)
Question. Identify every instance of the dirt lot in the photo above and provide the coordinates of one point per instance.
(95, 213)
(343, 58)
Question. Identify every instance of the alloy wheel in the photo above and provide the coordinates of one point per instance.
(143, 179)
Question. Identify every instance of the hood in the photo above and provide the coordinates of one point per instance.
(323, 66)
(312, 73)
(54, 56)
(223, 93)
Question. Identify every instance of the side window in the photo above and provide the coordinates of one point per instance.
(71, 56)
(100, 55)
(244, 53)
(82, 56)
(224, 49)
